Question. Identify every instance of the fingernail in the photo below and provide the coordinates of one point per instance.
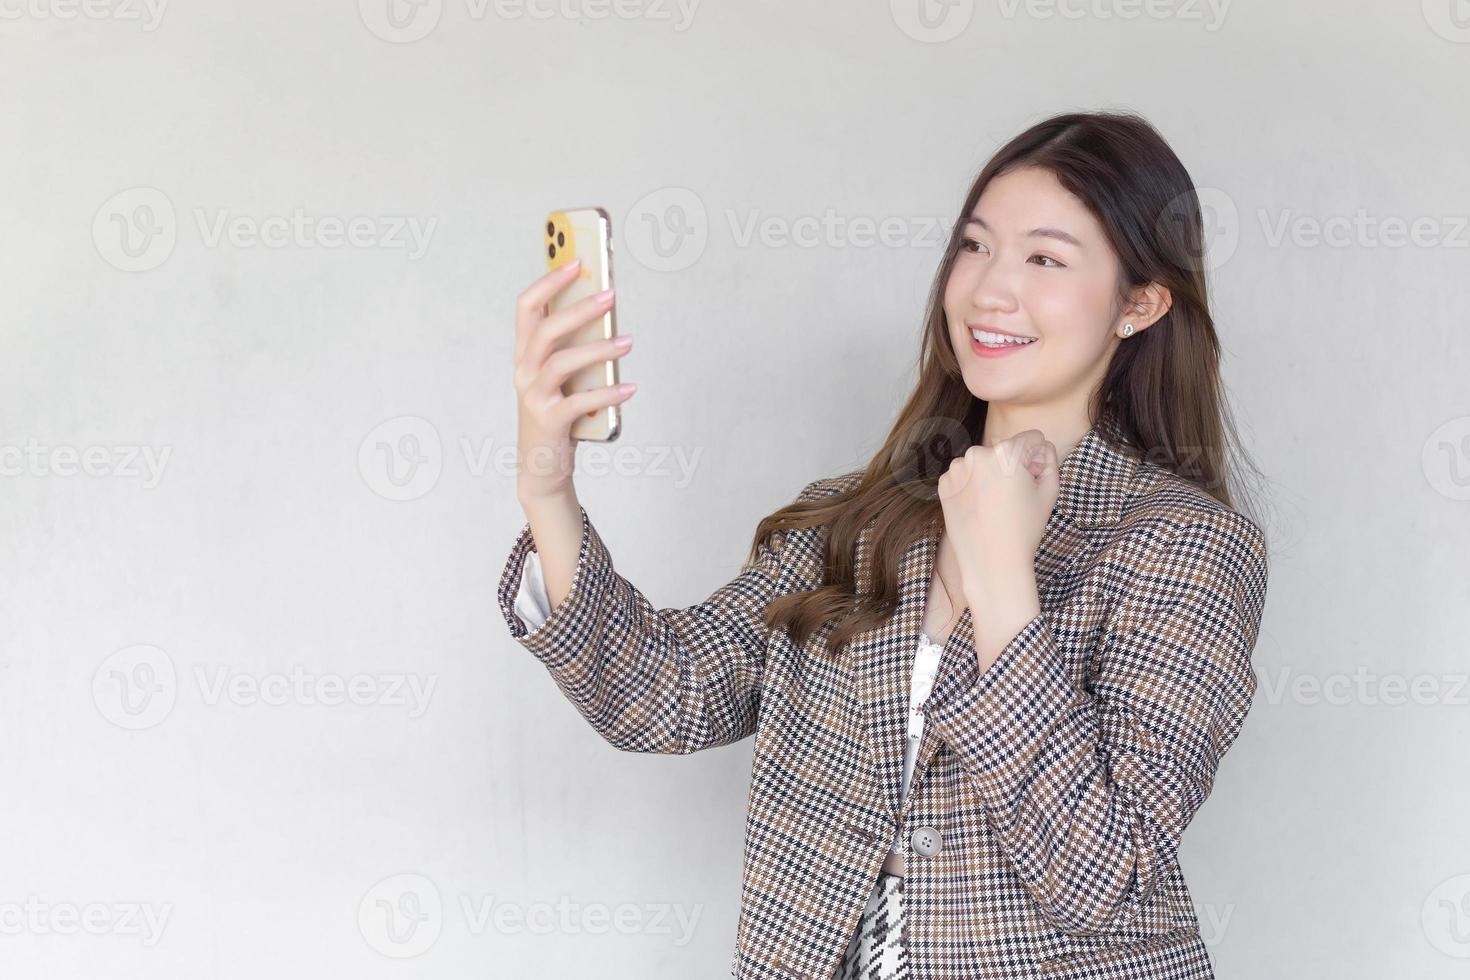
(627, 388)
(604, 296)
(574, 264)
(623, 341)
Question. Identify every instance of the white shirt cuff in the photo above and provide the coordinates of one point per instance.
(532, 603)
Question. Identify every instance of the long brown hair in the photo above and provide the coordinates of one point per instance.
(1162, 389)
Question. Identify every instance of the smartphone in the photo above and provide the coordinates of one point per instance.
(586, 234)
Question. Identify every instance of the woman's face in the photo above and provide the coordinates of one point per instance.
(1034, 263)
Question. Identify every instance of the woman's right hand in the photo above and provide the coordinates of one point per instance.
(546, 451)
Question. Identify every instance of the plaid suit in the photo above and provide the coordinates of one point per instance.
(1058, 783)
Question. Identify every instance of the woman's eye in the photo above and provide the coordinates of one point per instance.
(974, 247)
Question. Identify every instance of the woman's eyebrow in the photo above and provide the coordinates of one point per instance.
(1056, 233)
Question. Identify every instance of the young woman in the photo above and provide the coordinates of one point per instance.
(992, 674)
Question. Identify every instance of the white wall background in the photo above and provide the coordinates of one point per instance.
(152, 609)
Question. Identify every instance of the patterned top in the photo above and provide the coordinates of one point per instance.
(1056, 785)
(533, 605)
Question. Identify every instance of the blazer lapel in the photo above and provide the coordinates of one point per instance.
(1094, 479)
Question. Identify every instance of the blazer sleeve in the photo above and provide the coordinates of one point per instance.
(649, 679)
(1089, 791)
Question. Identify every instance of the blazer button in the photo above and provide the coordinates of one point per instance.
(926, 841)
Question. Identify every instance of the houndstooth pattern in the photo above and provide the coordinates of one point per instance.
(1060, 782)
(879, 948)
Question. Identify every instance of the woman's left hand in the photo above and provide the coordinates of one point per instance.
(997, 500)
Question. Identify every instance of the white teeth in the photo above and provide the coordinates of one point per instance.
(998, 339)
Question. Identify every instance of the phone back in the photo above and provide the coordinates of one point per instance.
(586, 233)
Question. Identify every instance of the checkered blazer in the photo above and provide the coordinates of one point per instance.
(1057, 784)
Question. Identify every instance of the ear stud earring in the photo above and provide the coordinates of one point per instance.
(1127, 330)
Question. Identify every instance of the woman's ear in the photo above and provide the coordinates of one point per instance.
(1146, 306)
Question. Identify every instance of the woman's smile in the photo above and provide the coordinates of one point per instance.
(985, 344)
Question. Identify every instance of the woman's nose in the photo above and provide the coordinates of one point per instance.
(994, 289)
